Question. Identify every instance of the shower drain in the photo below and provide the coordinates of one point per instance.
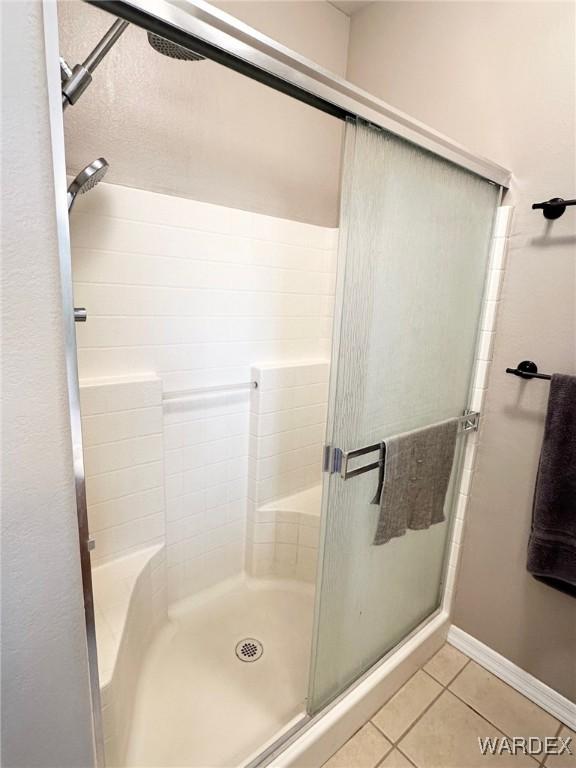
(249, 649)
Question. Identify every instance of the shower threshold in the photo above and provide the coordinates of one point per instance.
(197, 703)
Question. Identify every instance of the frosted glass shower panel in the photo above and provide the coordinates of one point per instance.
(415, 232)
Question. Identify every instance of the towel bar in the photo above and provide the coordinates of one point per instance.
(336, 461)
(554, 208)
(528, 370)
(182, 395)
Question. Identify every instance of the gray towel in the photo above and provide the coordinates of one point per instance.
(552, 545)
(417, 472)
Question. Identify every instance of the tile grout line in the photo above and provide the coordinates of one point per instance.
(558, 732)
(134, 408)
(388, 751)
(445, 687)
(200, 288)
(198, 259)
(421, 715)
(209, 344)
(396, 742)
(216, 232)
(203, 318)
(485, 717)
(122, 469)
(406, 756)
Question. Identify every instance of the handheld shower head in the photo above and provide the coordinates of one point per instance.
(172, 50)
(86, 179)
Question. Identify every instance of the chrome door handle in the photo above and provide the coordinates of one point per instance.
(80, 314)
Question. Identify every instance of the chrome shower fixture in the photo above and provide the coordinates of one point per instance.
(75, 81)
(172, 50)
(86, 179)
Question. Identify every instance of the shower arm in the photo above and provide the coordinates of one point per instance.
(75, 81)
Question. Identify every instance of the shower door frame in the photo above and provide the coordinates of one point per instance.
(222, 38)
(204, 29)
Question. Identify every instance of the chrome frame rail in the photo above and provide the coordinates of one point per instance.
(52, 54)
(216, 35)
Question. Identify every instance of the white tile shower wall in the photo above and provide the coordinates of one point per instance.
(206, 469)
(195, 292)
(284, 536)
(497, 265)
(123, 455)
(287, 430)
(198, 293)
(287, 426)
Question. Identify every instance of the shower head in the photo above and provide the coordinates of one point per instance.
(86, 179)
(172, 50)
(76, 80)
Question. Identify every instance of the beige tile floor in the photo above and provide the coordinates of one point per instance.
(435, 720)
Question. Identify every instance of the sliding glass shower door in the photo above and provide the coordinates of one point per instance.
(415, 232)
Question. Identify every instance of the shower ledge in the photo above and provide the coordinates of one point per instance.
(307, 503)
(289, 529)
(113, 585)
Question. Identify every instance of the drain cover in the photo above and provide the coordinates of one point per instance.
(249, 649)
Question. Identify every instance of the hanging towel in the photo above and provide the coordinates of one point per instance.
(416, 476)
(552, 545)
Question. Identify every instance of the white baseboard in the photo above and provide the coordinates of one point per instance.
(550, 700)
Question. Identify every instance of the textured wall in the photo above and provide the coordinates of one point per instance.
(200, 130)
(499, 78)
(45, 695)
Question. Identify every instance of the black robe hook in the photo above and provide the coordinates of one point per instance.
(553, 208)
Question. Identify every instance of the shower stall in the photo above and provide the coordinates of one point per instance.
(240, 376)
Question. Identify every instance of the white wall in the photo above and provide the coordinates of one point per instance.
(193, 294)
(45, 695)
(201, 131)
(499, 77)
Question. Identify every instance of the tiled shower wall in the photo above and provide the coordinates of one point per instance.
(206, 477)
(287, 431)
(122, 428)
(197, 294)
(287, 428)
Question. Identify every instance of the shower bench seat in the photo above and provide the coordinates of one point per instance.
(129, 605)
(118, 585)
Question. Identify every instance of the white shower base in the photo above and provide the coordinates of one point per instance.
(196, 703)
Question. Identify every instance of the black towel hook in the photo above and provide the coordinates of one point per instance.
(553, 208)
(528, 370)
